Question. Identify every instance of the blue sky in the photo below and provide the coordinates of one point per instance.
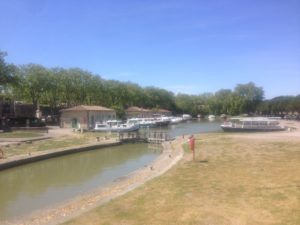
(188, 46)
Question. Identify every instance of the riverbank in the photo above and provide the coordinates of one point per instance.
(229, 168)
(170, 155)
(249, 178)
(57, 142)
(18, 160)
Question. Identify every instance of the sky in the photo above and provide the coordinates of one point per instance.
(187, 46)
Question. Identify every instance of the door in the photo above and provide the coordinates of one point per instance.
(74, 123)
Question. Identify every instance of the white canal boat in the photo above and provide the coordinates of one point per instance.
(116, 126)
(175, 120)
(186, 117)
(252, 124)
(211, 117)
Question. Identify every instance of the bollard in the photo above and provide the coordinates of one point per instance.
(1, 154)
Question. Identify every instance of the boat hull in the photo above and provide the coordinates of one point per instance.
(118, 129)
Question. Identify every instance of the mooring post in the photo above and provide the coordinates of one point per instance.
(1, 154)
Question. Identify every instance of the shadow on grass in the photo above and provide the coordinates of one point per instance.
(196, 161)
(201, 161)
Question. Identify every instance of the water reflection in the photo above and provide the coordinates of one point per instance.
(191, 127)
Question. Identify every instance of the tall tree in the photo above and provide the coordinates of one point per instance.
(159, 98)
(251, 96)
(222, 99)
(32, 82)
(6, 70)
(53, 90)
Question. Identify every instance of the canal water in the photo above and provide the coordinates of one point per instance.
(39, 185)
(193, 127)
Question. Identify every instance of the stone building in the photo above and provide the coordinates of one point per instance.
(17, 114)
(136, 112)
(85, 117)
(162, 112)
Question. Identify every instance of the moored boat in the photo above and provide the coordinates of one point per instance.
(116, 126)
(175, 120)
(211, 117)
(162, 121)
(147, 122)
(252, 124)
(186, 117)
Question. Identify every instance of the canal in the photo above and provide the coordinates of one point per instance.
(43, 184)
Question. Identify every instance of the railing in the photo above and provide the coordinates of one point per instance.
(156, 137)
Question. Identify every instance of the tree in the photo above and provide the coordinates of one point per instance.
(32, 82)
(6, 71)
(53, 89)
(250, 95)
(296, 104)
(96, 92)
(190, 104)
(159, 98)
(222, 98)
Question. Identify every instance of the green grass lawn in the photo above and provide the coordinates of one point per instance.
(232, 181)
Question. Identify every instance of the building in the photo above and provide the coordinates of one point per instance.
(17, 114)
(136, 112)
(85, 117)
(11, 109)
(162, 112)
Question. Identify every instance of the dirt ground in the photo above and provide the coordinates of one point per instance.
(237, 179)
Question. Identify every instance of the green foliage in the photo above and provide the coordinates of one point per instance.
(4, 70)
(6, 77)
(280, 105)
(59, 87)
(120, 111)
(159, 98)
(250, 96)
(32, 83)
(244, 99)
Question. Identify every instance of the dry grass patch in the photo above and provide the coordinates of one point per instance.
(55, 143)
(20, 134)
(233, 181)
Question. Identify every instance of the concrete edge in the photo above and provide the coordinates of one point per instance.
(52, 154)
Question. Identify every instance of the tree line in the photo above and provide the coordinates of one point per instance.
(60, 88)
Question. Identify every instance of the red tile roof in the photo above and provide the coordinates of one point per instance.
(88, 108)
(136, 109)
(161, 110)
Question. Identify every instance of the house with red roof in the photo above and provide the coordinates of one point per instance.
(85, 116)
(137, 112)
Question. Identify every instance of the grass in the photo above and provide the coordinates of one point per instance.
(233, 181)
(19, 134)
(48, 144)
